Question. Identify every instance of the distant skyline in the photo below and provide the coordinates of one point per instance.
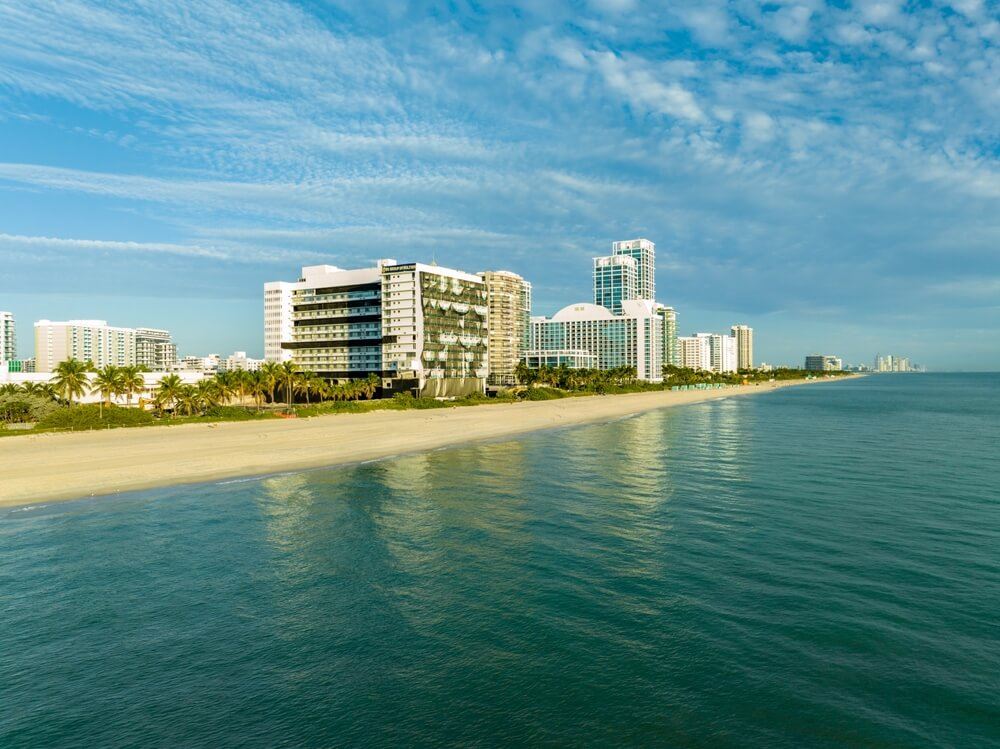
(827, 173)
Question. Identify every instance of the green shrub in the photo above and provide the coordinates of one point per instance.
(407, 401)
(19, 408)
(89, 417)
(234, 413)
(544, 394)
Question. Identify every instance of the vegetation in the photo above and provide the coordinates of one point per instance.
(241, 395)
(95, 416)
(25, 407)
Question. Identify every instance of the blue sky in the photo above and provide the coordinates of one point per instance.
(826, 172)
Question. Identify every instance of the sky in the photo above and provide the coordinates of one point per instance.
(827, 172)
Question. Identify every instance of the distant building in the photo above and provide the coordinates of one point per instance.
(210, 363)
(743, 335)
(86, 340)
(695, 353)
(824, 363)
(671, 353)
(631, 339)
(154, 349)
(509, 300)
(17, 366)
(890, 363)
(721, 351)
(8, 337)
(616, 278)
(644, 253)
(238, 361)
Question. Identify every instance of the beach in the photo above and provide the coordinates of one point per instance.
(63, 466)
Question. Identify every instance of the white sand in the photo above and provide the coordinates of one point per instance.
(46, 467)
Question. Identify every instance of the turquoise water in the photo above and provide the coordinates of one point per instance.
(818, 566)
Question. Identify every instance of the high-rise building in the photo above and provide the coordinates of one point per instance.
(86, 340)
(722, 352)
(421, 328)
(671, 354)
(509, 300)
(8, 337)
(154, 349)
(631, 339)
(615, 280)
(435, 331)
(278, 318)
(823, 363)
(644, 253)
(331, 322)
(744, 346)
(694, 352)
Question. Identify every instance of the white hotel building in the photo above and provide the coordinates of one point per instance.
(633, 338)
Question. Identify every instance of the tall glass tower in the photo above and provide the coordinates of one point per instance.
(615, 281)
(644, 253)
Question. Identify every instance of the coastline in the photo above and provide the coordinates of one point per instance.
(79, 465)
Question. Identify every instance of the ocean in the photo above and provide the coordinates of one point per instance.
(813, 567)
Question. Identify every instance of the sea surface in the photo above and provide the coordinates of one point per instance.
(813, 567)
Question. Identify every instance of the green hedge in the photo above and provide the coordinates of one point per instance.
(89, 417)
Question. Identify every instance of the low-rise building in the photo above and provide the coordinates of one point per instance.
(238, 361)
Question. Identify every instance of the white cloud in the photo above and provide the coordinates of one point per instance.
(645, 92)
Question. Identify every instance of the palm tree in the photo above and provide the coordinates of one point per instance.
(42, 389)
(371, 385)
(71, 379)
(10, 389)
(209, 393)
(256, 385)
(225, 385)
(308, 383)
(188, 400)
(168, 391)
(132, 380)
(286, 375)
(270, 377)
(107, 383)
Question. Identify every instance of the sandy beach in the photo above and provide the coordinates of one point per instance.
(48, 467)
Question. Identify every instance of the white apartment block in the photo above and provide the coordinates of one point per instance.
(644, 253)
(238, 361)
(86, 340)
(633, 338)
(8, 337)
(278, 317)
(154, 349)
(722, 351)
(694, 353)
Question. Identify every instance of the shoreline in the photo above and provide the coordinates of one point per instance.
(52, 467)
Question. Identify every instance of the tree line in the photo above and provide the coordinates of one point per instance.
(72, 379)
